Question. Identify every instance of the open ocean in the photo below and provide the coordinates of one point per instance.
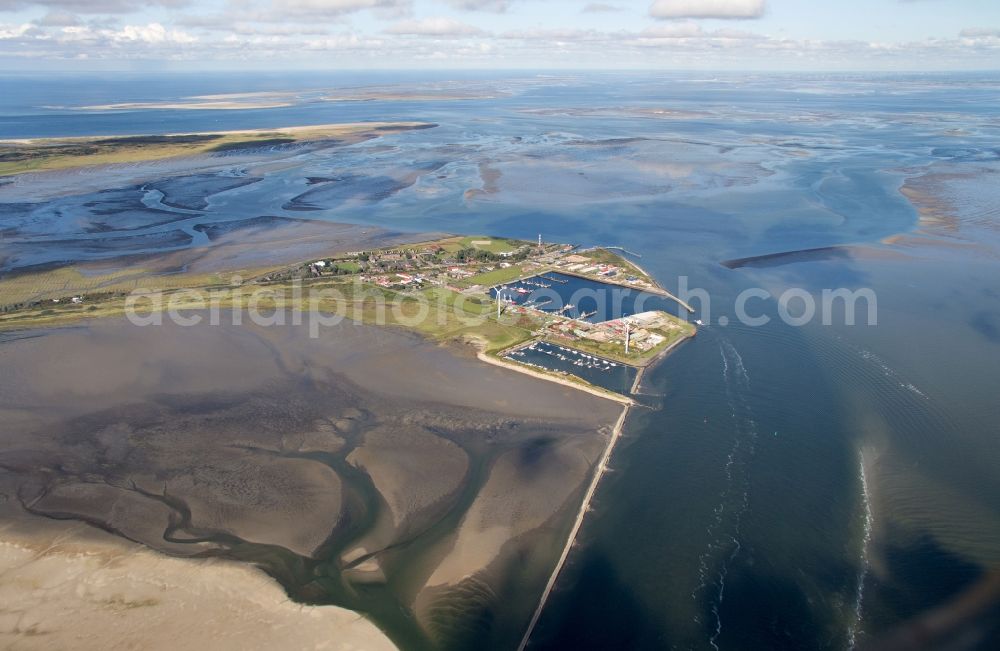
(800, 487)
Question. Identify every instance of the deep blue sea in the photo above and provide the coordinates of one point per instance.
(802, 486)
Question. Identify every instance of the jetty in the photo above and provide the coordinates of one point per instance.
(624, 250)
(602, 467)
(652, 289)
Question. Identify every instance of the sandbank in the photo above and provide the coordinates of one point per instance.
(66, 585)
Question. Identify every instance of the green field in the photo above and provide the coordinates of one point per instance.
(64, 282)
(348, 265)
(493, 245)
(495, 277)
(438, 313)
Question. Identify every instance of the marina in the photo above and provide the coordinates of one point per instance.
(580, 298)
(593, 313)
(599, 371)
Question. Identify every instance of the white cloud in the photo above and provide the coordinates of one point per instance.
(10, 32)
(560, 36)
(337, 7)
(978, 32)
(296, 29)
(350, 41)
(151, 33)
(58, 19)
(496, 6)
(599, 7)
(737, 9)
(299, 16)
(269, 33)
(250, 25)
(687, 29)
(440, 27)
(91, 6)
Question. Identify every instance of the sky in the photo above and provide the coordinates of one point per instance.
(912, 35)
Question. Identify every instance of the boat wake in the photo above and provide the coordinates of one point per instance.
(883, 367)
(724, 531)
(855, 628)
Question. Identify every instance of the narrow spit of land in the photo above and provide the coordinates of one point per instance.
(40, 154)
(457, 283)
(602, 467)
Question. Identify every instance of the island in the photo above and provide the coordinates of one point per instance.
(40, 154)
(512, 299)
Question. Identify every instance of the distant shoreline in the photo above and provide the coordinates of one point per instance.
(28, 155)
(300, 129)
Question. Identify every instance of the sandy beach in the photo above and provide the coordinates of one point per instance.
(186, 106)
(26, 158)
(551, 377)
(314, 130)
(69, 586)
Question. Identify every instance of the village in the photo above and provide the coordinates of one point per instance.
(469, 265)
(510, 274)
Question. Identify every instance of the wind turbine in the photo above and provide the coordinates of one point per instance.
(500, 300)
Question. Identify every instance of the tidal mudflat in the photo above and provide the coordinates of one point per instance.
(239, 248)
(368, 469)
